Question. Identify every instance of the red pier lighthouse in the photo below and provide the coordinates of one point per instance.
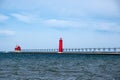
(17, 48)
(60, 50)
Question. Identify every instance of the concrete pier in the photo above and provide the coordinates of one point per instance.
(76, 50)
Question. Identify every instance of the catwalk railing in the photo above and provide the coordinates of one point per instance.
(74, 50)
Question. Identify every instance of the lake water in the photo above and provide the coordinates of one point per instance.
(59, 67)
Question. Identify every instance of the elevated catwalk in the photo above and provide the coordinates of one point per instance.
(75, 51)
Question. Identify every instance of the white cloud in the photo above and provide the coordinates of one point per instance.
(102, 7)
(3, 17)
(57, 23)
(63, 23)
(26, 17)
(86, 25)
(85, 8)
(68, 13)
(66, 7)
(108, 26)
(7, 32)
(22, 17)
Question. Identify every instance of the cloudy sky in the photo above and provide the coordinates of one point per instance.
(40, 23)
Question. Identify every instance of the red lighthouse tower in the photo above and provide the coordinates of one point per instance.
(17, 48)
(60, 46)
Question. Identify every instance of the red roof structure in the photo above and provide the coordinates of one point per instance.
(17, 48)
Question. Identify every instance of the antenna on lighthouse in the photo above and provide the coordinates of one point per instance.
(60, 50)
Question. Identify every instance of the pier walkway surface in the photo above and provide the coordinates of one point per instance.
(76, 50)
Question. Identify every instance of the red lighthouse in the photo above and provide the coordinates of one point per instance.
(60, 46)
(17, 48)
